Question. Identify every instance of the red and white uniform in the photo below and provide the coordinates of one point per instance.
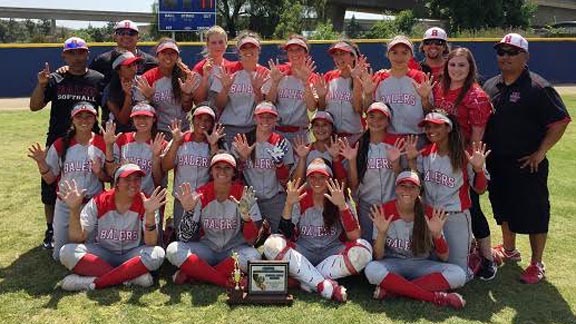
(239, 110)
(339, 104)
(78, 167)
(473, 111)
(163, 100)
(126, 149)
(404, 101)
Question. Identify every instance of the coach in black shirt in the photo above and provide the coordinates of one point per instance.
(529, 119)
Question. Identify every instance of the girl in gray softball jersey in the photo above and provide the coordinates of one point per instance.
(290, 88)
(374, 163)
(405, 235)
(266, 158)
(220, 217)
(79, 156)
(237, 90)
(189, 153)
(448, 171)
(319, 234)
(325, 146)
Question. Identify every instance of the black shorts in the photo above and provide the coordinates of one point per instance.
(48, 193)
(519, 197)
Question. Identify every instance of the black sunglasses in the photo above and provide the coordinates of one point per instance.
(509, 52)
(437, 42)
(126, 32)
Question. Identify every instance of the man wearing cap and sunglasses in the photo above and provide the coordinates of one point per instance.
(78, 83)
(435, 48)
(529, 119)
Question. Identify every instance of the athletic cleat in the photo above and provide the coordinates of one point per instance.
(487, 270)
(340, 294)
(179, 277)
(74, 282)
(534, 273)
(330, 289)
(453, 300)
(474, 263)
(501, 255)
(146, 280)
(47, 242)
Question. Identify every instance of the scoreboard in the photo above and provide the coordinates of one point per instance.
(186, 15)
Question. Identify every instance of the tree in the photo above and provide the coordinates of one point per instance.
(230, 11)
(385, 28)
(291, 20)
(353, 29)
(325, 31)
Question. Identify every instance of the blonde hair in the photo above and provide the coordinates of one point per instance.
(215, 30)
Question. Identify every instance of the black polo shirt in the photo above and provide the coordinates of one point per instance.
(523, 112)
(103, 63)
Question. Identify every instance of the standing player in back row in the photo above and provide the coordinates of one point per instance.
(64, 90)
(435, 48)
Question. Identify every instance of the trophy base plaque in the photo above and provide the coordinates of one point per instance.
(238, 297)
(267, 284)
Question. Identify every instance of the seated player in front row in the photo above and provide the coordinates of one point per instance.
(114, 236)
(320, 234)
(405, 236)
(220, 217)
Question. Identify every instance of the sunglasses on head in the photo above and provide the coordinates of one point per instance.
(508, 51)
(437, 42)
(126, 32)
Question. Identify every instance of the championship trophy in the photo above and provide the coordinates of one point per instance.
(267, 283)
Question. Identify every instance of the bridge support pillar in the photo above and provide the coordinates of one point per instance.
(336, 14)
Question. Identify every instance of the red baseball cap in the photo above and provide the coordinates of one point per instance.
(436, 118)
(381, 107)
(318, 166)
(204, 110)
(127, 170)
(223, 157)
(169, 44)
(296, 41)
(83, 106)
(248, 40)
(324, 115)
(126, 58)
(408, 176)
(143, 109)
(343, 46)
(265, 107)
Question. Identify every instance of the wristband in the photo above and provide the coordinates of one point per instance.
(44, 172)
(440, 245)
(349, 222)
(109, 161)
(150, 228)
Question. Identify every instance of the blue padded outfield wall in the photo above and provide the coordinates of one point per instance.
(552, 58)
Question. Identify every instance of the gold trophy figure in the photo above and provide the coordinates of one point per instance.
(237, 273)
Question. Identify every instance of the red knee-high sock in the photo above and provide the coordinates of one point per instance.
(400, 286)
(126, 271)
(198, 269)
(225, 267)
(92, 266)
(432, 282)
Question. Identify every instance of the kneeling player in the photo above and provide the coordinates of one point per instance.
(404, 237)
(314, 221)
(114, 235)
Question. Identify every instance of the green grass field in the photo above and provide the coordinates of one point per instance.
(28, 275)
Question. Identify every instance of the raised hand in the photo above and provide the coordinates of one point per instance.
(127, 86)
(70, 194)
(278, 151)
(478, 157)
(96, 166)
(436, 222)
(242, 147)
(176, 130)
(109, 133)
(336, 195)
(378, 217)
(295, 191)
(156, 200)
(346, 150)
(44, 75)
(305, 71)
(367, 81)
(397, 150)
(258, 79)
(333, 147)
(216, 135)
(320, 86)
(411, 148)
(158, 144)
(425, 88)
(208, 66)
(246, 202)
(226, 78)
(37, 153)
(191, 83)
(187, 197)
(144, 87)
(275, 74)
(301, 147)
(360, 68)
